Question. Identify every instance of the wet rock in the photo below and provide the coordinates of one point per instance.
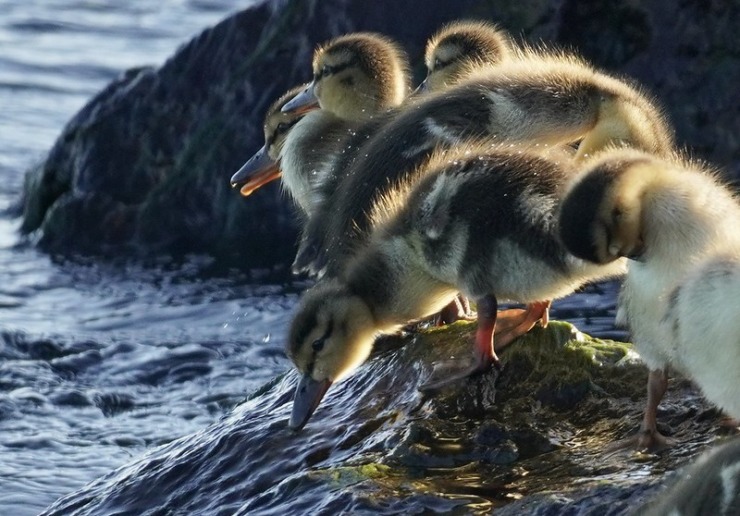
(143, 168)
(377, 444)
(710, 485)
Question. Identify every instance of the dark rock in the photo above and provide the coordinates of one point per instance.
(143, 168)
(376, 444)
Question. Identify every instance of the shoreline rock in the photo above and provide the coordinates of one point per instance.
(377, 444)
(142, 170)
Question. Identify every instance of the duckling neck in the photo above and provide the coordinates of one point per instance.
(307, 156)
(396, 288)
(624, 121)
(684, 219)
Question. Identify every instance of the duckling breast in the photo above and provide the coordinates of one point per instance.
(703, 323)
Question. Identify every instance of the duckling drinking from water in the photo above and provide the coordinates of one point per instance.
(455, 47)
(681, 297)
(362, 75)
(544, 98)
(479, 221)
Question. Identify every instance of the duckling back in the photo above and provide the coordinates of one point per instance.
(543, 98)
(709, 486)
(484, 219)
(554, 89)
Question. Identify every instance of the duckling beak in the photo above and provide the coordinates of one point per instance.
(308, 395)
(302, 103)
(422, 88)
(259, 170)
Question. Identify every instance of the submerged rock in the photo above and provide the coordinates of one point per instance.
(533, 441)
(143, 168)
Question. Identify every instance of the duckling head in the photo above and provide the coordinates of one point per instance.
(601, 215)
(356, 76)
(454, 48)
(263, 166)
(331, 335)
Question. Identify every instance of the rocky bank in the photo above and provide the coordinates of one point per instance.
(142, 170)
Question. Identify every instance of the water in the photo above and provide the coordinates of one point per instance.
(100, 363)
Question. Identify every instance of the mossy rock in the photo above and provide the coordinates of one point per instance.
(498, 442)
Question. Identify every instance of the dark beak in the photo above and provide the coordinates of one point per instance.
(258, 171)
(308, 395)
(302, 103)
(422, 88)
(638, 251)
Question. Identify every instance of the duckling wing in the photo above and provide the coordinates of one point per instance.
(391, 157)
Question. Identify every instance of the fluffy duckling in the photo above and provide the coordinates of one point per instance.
(481, 222)
(264, 166)
(358, 76)
(458, 45)
(548, 99)
(681, 228)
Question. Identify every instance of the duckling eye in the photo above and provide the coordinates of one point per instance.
(437, 63)
(326, 70)
(318, 344)
(282, 127)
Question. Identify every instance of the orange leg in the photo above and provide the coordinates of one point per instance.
(648, 437)
(495, 331)
(535, 312)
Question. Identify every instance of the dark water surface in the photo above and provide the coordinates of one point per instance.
(100, 364)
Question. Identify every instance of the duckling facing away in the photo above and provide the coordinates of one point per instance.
(681, 228)
(455, 47)
(548, 99)
(360, 76)
(479, 222)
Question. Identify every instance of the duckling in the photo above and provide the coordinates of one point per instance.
(456, 46)
(545, 98)
(480, 221)
(356, 76)
(680, 228)
(360, 76)
(264, 166)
